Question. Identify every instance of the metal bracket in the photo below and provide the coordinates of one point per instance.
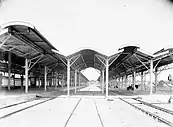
(31, 66)
(157, 63)
(100, 57)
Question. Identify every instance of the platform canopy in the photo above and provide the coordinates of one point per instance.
(163, 57)
(130, 59)
(87, 58)
(25, 41)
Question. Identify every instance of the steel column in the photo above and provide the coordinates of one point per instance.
(119, 84)
(26, 75)
(122, 86)
(107, 77)
(9, 70)
(68, 77)
(142, 81)
(103, 81)
(134, 80)
(45, 78)
(39, 83)
(151, 77)
(79, 78)
(52, 78)
(56, 80)
(126, 77)
(156, 76)
(63, 80)
(75, 79)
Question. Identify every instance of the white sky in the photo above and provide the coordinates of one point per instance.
(104, 25)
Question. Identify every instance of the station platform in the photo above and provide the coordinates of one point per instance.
(18, 95)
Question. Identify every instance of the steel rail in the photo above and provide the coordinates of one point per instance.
(160, 119)
(72, 112)
(11, 105)
(156, 107)
(17, 111)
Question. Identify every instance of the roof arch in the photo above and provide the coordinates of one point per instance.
(17, 23)
(87, 58)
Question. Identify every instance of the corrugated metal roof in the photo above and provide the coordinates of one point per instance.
(25, 41)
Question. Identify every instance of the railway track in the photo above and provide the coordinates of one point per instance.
(9, 110)
(158, 113)
(12, 109)
(75, 108)
(71, 114)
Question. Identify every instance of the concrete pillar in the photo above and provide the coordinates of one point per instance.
(151, 77)
(75, 79)
(103, 82)
(26, 75)
(9, 70)
(107, 77)
(68, 77)
(45, 78)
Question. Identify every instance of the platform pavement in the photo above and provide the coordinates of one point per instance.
(16, 96)
(80, 111)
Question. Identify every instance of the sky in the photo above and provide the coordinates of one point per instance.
(102, 25)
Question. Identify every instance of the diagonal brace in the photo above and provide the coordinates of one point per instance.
(100, 59)
(140, 61)
(3, 42)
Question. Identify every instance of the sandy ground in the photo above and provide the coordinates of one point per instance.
(80, 110)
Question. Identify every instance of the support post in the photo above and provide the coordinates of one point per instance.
(79, 78)
(103, 81)
(45, 78)
(107, 77)
(151, 77)
(52, 78)
(56, 80)
(63, 82)
(119, 83)
(156, 76)
(142, 81)
(75, 80)
(9, 70)
(39, 82)
(26, 75)
(122, 86)
(68, 77)
(126, 81)
(134, 80)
